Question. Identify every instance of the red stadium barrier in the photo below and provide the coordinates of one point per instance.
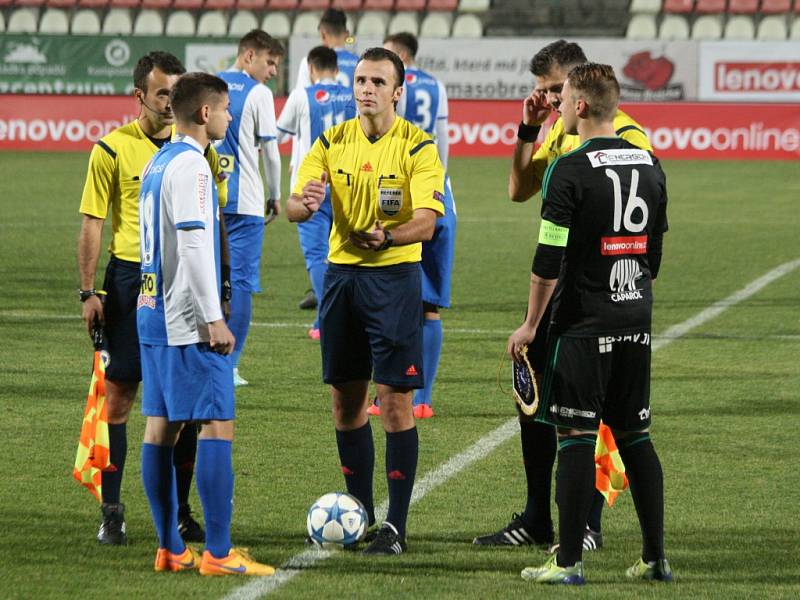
(680, 130)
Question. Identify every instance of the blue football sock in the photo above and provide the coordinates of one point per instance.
(215, 486)
(402, 451)
(431, 351)
(158, 476)
(118, 447)
(317, 276)
(239, 323)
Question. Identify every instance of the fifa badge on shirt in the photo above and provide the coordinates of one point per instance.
(390, 200)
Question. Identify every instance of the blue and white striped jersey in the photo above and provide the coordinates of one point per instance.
(424, 103)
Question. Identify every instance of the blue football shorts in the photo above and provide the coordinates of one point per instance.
(438, 254)
(245, 240)
(315, 233)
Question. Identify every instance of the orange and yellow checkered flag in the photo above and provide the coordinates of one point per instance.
(94, 455)
(610, 479)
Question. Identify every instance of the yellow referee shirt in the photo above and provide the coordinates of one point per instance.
(557, 142)
(385, 180)
(113, 180)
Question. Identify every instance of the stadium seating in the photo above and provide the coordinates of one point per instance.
(378, 4)
(678, 6)
(346, 5)
(85, 22)
(121, 3)
(255, 5)
(277, 24)
(313, 4)
(404, 21)
(772, 28)
(710, 7)
(442, 5)
(180, 23)
(739, 27)
(282, 4)
(674, 27)
(156, 4)
(436, 25)
(148, 22)
(475, 5)
(23, 20)
(771, 7)
(467, 26)
(212, 24)
(242, 22)
(305, 24)
(93, 4)
(652, 7)
(707, 27)
(2, 23)
(794, 33)
(372, 24)
(54, 21)
(641, 27)
(743, 7)
(117, 22)
(219, 5)
(417, 5)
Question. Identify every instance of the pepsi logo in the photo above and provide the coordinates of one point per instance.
(411, 78)
(322, 96)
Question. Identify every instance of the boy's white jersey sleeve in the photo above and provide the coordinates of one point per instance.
(289, 121)
(442, 143)
(271, 158)
(266, 126)
(267, 135)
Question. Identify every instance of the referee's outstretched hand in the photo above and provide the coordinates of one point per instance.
(314, 192)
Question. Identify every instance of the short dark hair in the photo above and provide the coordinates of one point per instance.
(561, 53)
(406, 40)
(192, 91)
(333, 21)
(598, 85)
(259, 40)
(164, 61)
(378, 54)
(323, 59)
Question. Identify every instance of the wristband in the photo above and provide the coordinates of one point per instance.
(84, 295)
(388, 240)
(528, 133)
(227, 290)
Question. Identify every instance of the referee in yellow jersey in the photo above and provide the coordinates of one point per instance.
(387, 186)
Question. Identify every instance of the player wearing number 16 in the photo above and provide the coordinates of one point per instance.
(386, 189)
(603, 220)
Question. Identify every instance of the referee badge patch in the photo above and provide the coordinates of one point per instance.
(390, 200)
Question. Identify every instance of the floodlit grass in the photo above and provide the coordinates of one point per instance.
(725, 402)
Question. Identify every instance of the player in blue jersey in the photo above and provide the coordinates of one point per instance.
(333, 34)
(424, 103)
(308, 112)
(252, 131)
(183, 337)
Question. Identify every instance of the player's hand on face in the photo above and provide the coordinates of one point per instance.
(535, 108)
(518, 340)
(368, 240)
(92, 310)
(314, 192)
(222, 340)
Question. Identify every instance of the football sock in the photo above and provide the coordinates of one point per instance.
(647, 488)
(239, 323)
(594, 522)
(574, 493)
(402, 451)
(183, 459)
(431, 351)
(539, 448)
(215, 486)
(118, 449)
(158, 477)
(317, 276)
(357, 457)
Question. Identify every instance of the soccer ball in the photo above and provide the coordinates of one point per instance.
(336, 519)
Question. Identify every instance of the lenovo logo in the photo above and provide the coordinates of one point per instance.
(757, 77)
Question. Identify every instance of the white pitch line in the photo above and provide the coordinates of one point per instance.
(483, 447)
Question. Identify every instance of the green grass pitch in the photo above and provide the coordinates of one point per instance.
(725, 402)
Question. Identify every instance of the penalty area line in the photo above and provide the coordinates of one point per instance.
(295, 565)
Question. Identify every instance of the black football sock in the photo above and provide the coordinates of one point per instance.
(118, 450)
(539, 447)
(647, 488)
(402, 452)
(594, 522)
(357, 457)
(183, 459)
(574, 491)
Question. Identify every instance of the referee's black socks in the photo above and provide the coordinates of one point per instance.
(118, 450)
(538, 455)
(402, 452)
(647, 488)
(357, 458)
(574, 492)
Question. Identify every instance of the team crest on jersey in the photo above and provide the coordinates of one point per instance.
(322, 96)
(619, 156)
(390, 200)
(411, 78)
(622, 281)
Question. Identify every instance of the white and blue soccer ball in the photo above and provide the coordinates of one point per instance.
(337, 519)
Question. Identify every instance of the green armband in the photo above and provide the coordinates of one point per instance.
(552, 234)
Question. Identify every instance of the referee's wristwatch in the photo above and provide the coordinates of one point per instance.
(388, 240)
(86, 294)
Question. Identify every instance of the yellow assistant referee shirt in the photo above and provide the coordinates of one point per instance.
(557, 142)
(114, 178)
(385, 180)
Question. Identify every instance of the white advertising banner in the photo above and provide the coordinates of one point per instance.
(750, 71)
(497, 68)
